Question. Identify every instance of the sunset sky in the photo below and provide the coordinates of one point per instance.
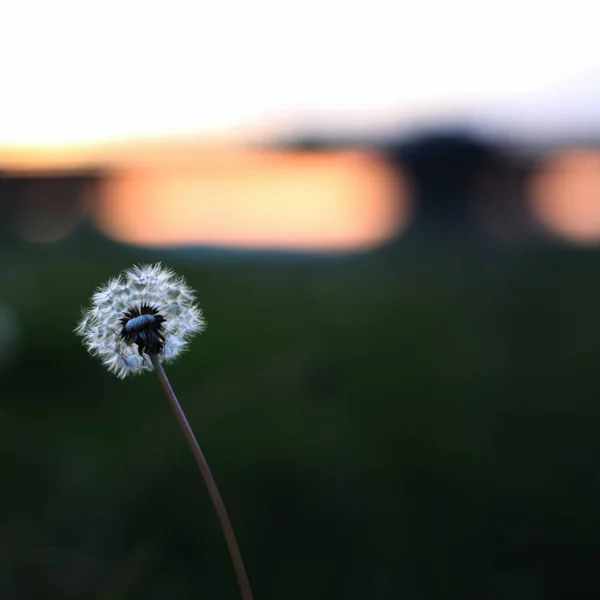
(84, 72)
(113, 83)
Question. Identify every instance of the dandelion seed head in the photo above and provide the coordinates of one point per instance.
(146, 309)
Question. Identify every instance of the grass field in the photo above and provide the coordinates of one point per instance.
(411, 423)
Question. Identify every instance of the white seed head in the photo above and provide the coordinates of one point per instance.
(147, 308)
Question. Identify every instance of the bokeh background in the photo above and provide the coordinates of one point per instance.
(391, 214)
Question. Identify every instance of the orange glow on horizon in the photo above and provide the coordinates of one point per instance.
(262, 200)
(565, 196)
(110, 155)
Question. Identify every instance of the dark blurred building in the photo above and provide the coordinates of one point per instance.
(458, 179)
(40, 207)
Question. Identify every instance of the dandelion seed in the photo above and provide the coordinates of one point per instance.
(145, 310)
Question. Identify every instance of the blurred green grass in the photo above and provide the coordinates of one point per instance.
(400, 424)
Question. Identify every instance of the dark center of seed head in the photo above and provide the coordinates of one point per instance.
(139, 323)
(143, 326)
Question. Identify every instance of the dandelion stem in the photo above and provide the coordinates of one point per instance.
(213, 490)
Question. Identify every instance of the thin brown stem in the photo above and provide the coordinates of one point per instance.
(213, 490)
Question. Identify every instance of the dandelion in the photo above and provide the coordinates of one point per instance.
(145, 317)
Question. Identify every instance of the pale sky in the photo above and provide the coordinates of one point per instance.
(77, 72)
